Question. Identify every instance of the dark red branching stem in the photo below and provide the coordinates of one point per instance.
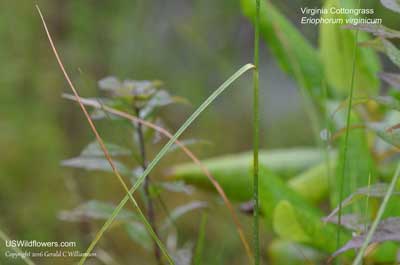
(146, 187)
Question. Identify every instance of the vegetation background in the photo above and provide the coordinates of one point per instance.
(192, 46)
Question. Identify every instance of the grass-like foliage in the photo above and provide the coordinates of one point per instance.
(256, 134)
(352, 169)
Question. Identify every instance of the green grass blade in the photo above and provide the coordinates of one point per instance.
(346, 140)
(200, 241)
(378, 218)
(190, 120)
(164, 150)
(256, 136)
(27, 260)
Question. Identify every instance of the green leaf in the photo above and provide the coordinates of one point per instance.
(160, 99)
(273, 190)
(182, 210)
(286, 225)
(310, 230)
(287, 252)
(393, 5)
(94, 163)
(94, 149)
(138, 233)
(295, 224)
(337, 53)
(109, 83)
(233, 172)
(312, 184)
(96, 210)
(294, 53)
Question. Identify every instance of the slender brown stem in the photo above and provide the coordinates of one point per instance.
(146, 187)
(101, 143)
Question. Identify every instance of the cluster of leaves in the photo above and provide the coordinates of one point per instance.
(294, 182)
(142, 99)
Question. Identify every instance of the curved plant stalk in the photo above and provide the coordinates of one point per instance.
(256, 136)
(378, 217)
(346, 139)
(103, 147)
(165, 149)
(27, 260)
(187, 151)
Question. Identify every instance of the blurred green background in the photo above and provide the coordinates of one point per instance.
(192, 46)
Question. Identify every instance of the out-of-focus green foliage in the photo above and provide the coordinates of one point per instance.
(188, 45)
(337, 54)
(308, 176)
(284, 252)
(305, 227)
(285, 163)
(284, 204)
(313, 183)
(294, 53)
(359, 164)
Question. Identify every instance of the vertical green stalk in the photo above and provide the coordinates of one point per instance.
(200, 241)
(346, 139)
(256, 135)
(378, 217)
(325, 144)
(366, 216)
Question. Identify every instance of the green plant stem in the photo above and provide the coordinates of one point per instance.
(200, 241)
(256, 135)
(26, 259)
(378, 217)
(164, 150)
(346, 139)
(146, 187)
